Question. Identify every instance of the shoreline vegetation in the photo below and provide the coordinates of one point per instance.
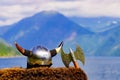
(19, 56)
(6, 50)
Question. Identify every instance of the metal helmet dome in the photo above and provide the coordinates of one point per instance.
(41, 52)
(39, 47)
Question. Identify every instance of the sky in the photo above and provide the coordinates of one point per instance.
(15, 10)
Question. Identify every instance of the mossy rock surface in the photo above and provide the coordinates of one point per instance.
(42, 74)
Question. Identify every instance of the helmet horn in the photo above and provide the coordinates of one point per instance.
(56, 50)
(22, 50)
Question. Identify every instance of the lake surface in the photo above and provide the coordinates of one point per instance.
(96, 68)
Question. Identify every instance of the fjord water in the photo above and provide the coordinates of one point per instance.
(96, 68)
(103, 68)
(13, 62)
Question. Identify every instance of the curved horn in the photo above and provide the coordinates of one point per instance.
(22, 50)
(56, 50)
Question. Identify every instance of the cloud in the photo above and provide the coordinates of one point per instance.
(14, 10)
(71, 37)
(89, 8)
(114, 22)
(20, 34)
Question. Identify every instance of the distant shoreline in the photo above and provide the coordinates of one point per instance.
(11, 56)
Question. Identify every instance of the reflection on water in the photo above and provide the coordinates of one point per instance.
(99, 68)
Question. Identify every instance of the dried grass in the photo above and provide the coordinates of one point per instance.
(42, 74)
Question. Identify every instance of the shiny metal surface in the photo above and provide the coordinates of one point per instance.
(41, 53)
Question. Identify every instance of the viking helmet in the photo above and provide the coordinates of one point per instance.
(39, 56)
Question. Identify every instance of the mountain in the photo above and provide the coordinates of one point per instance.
(106, 40)
(97, 24)
(7, 50)
(111, 44)
(47, 28)
(4, 29)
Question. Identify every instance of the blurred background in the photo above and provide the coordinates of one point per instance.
(94, 25)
